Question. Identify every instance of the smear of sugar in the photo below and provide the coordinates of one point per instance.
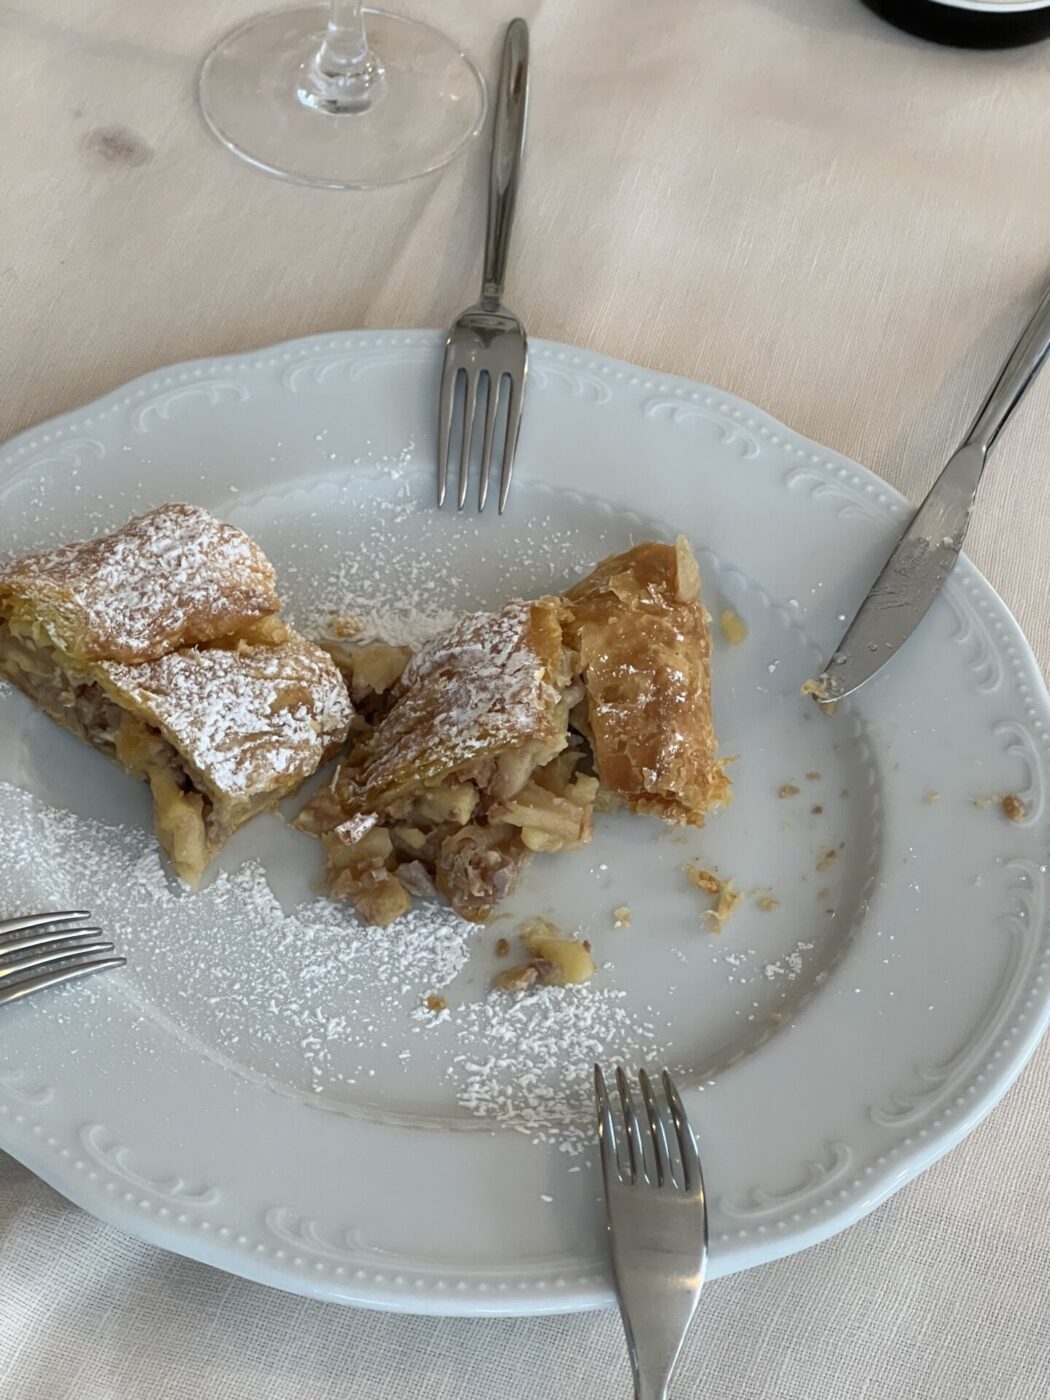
(313, 988)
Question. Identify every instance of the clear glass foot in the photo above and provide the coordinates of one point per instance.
(280, 94)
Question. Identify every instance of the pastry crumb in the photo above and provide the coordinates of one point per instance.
(344, 626)
(622, 917)
(768, 903)
(702, 879)
(824, 863)
(729, 898)
(1014, 808)
(436, 1003)
(813, 777)
(816, 809)
(788, 790)
(733, 626)
(687, 571)
(352, 830)
(775, 1018)
(516, 979)
(931, 797)
(825, 893)
(818, 689)
(502, 947)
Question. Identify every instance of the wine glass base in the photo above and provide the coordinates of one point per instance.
(258, 97)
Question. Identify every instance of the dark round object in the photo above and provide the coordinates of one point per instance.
(948, 22)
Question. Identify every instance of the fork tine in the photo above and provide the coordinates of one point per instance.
(491, 408)
(39, 940)
(606, 1127)
(635, 1152)
(517, 387)
(18, 925)
(446, 404)
(25, 988)
(693, 1178)
(470, 401)
(657, 1130)
(43, 957)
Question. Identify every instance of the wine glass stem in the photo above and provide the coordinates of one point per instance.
(344, 75)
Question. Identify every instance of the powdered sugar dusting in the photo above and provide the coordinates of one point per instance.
(529, 1060)
(172, 577)
(479, 686)
(406, 572)
(310, 1001)
(247, 720)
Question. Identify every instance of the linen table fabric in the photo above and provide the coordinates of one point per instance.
(782, 197)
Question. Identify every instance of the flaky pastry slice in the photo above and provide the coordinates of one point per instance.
(465, 774)
(644, 647)
(161, 647)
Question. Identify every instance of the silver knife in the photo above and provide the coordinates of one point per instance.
(926, 552)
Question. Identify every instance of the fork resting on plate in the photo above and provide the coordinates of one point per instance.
(41, 945)
(487, 346)
(657, 1216)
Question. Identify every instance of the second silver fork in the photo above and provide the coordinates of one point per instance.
(54, 948)
(487, 344)
(657, 1215)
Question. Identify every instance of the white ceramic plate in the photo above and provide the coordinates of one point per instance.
(263, 1092)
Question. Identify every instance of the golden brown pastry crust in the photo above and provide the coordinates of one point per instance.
(221, 730)
(645, 646)
(247, 721)
(171, 578)
(485, 688)
(464, 774)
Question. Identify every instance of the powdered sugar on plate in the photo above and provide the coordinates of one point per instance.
(405, 572)
(310, 1001)
(529, 1059)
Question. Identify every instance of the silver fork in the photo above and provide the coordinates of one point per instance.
(657, 1217)
(487, 340)
(65, 953)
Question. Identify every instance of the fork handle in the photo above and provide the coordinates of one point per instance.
(508, 142)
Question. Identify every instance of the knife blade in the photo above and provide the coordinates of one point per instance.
(926, 552)
(912, 577)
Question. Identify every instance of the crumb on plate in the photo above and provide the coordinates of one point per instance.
(344, 626)
(703, 879)
(729, 898)
(734, 628)
(553, 961)
(1014, 808)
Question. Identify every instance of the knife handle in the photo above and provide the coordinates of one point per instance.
(1025, 362)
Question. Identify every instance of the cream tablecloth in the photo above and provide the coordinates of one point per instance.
(783, 197)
